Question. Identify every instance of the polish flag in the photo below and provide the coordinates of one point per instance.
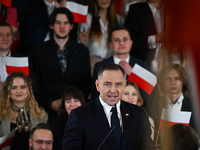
(17, 64)
(171, 117)
(143, 78)
(6, 2)
(79, 11)
(7, 139)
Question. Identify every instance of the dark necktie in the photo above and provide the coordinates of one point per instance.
(117, 129)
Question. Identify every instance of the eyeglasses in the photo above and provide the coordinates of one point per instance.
(41, 142)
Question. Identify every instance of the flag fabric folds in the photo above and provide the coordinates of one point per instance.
(7, 139)
(143, 78)
(6, 2)
(79, 11)
(171, 117)
(17, 64)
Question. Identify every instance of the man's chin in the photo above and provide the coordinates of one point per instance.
(61, 37)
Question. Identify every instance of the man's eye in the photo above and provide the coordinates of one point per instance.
(107, 84)
(39, 142)
(125, 93)
(118, 84)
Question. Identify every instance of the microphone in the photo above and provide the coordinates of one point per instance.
(116, 117)
(157, 132)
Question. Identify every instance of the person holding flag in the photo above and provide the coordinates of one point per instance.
(120, 42)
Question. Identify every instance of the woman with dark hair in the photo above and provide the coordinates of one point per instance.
(72, 98)
(95, 33)
(180, 137)
(19, 109)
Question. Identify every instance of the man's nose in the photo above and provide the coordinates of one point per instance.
(5, 37)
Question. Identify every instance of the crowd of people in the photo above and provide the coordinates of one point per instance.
(77, 95)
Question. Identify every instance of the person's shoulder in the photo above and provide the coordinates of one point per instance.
(137, 6)
(131, 107)
(138, 61)
(42, 47)
(78, 46)
(16, 54)
(105, 61)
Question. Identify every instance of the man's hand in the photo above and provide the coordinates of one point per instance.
(83, 37)
(56, 105)
(126, 67)
(160, 37)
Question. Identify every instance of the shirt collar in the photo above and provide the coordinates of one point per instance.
(117, 60)
(9, 54)
(107, 107)
(155, 9)
(178, 102)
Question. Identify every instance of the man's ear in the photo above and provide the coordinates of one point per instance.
(97, 85)
(51, 27)
(72, 25)
(30, 142)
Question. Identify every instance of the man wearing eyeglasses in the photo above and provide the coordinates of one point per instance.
(41, 137)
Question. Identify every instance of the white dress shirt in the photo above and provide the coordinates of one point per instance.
(3, 72)
(175, 106)
(107, 109)
(117, 60)
(158, 16)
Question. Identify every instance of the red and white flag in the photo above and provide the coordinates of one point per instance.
(7, 139)
(79, 11)
(6, 2)
(17, 64)
(171, 117)
(143, 78)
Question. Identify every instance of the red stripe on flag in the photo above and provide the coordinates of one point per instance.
(79, 18)
(143, 84)
(11, 69)
(166, 124)
(6, 2)
(8, 142)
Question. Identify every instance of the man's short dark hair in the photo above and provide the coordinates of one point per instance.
(43, 126)
(3, 24)
(111, 66)
(61, 10)
(117, 28)
(181, 72)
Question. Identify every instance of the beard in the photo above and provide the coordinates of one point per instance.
(61, 37)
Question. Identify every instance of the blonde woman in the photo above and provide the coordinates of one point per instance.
(19, 109)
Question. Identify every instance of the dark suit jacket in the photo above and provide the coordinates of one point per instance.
(141, 24)
(87, 126)
(48, 72)
(98, 65)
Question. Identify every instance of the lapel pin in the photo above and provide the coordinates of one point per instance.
(126, 114)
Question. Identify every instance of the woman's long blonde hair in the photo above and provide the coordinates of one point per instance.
(6, 102)
(95, 30)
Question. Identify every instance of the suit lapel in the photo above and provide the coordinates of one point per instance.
(104, 125)
(72, 60)
(6, 125)
(127, 119)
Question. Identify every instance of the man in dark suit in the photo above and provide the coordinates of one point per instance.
(173, 84)
(89, 125)
(121, 43)
(60, 62)
(146, 24)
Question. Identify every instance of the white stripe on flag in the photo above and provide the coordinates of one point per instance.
(17, 61)
(144, 74)
(77, 8)
(176, 116)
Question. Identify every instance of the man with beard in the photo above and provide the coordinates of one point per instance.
(60, 62)
(41, 137)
